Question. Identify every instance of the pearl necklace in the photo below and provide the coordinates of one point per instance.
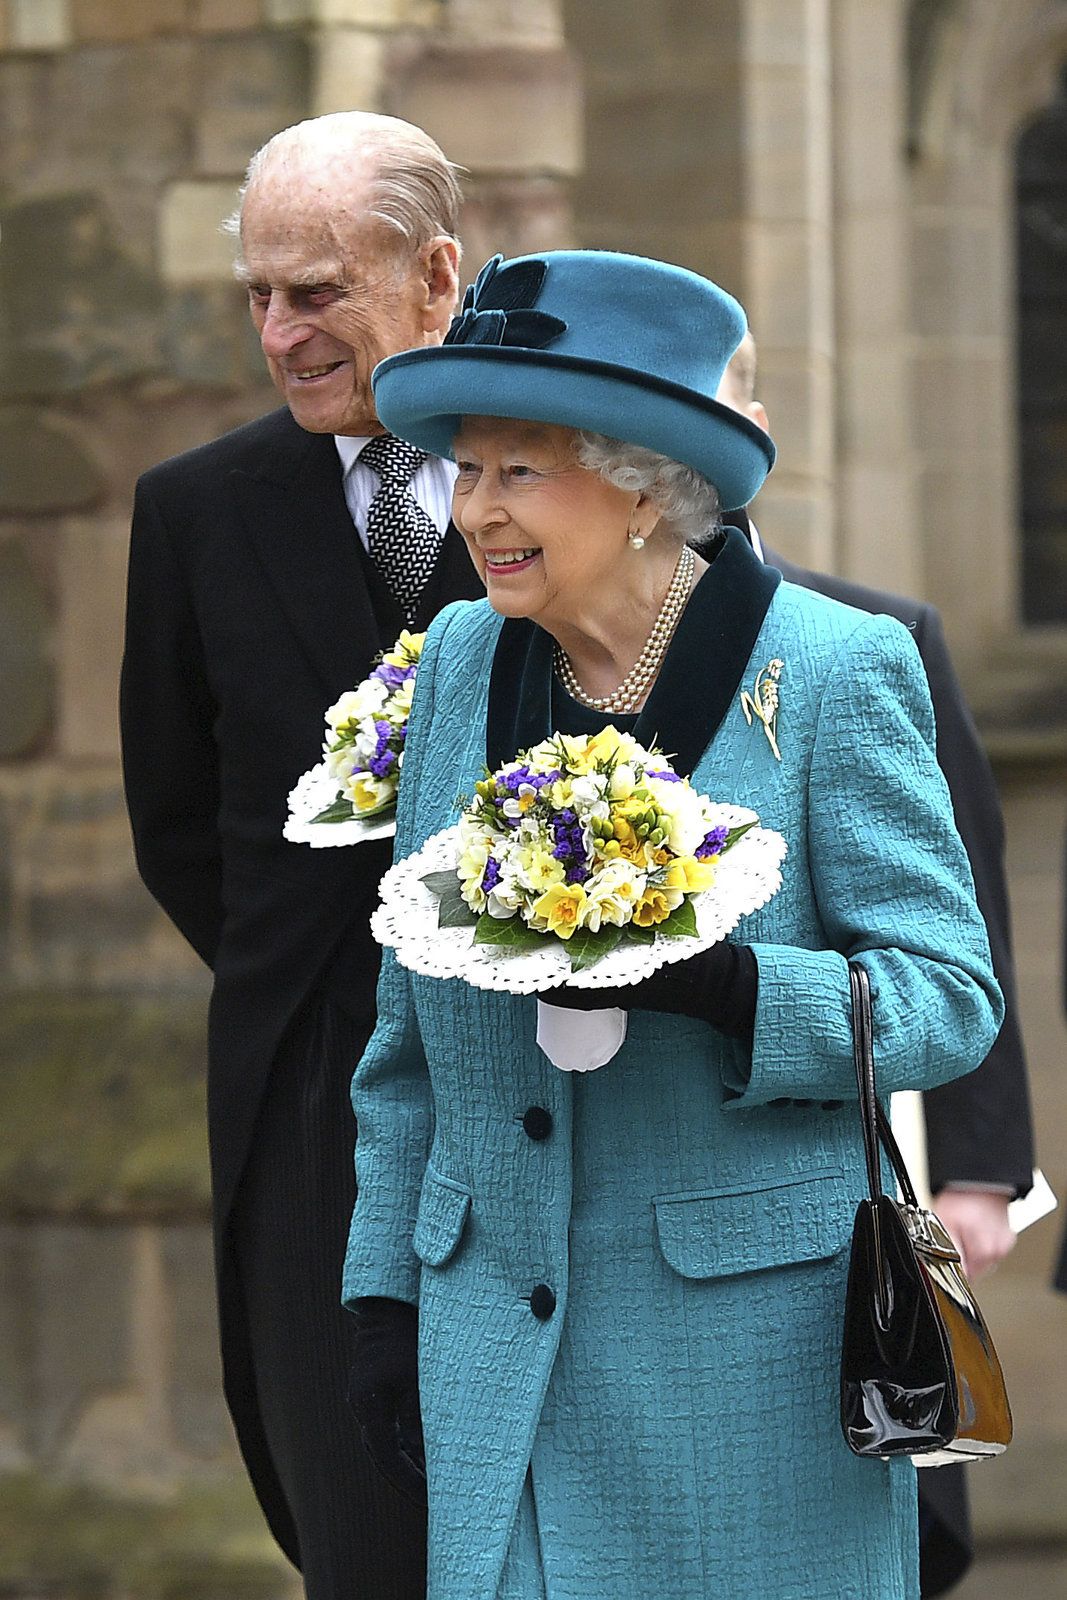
(627, 696)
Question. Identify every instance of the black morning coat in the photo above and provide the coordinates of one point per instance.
(251, 607)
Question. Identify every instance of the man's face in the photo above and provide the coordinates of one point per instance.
(328, 311)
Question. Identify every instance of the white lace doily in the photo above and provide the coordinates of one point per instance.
(315, 791)
(746, 877)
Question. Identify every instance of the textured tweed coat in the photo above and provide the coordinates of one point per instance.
(667, 1429)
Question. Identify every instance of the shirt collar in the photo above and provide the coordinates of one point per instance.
(349, 448)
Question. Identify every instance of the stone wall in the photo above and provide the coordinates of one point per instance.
(125, 127)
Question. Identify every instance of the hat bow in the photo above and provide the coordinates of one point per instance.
(497, 308)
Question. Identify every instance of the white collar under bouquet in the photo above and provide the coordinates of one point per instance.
(586, 861)
(351, 794)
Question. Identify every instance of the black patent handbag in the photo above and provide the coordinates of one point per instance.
(919, 1374)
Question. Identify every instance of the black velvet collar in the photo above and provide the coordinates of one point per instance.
(696, 685)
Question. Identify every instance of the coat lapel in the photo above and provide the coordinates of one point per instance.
(695, 689)
(295, 512)
(702, 674)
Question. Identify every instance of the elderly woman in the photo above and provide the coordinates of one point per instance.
(630, 1282)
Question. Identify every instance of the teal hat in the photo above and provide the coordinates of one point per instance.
(619, 345)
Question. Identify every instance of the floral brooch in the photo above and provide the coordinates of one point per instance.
(762, 703)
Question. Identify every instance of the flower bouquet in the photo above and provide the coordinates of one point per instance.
(351, 794)
(586, 861)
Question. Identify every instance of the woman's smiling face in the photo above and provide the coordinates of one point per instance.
(544, 533)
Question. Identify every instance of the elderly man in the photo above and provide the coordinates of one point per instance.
(267, 569)
(979, 1135)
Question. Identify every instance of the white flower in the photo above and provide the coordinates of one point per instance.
(623, 781)
(471, 870)
(612, 893)
(399, 709)
(355, 704)
(523, 800)
(587, 794)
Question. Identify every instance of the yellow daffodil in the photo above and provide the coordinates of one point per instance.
(656, 905)
(560, 909)
(611, 745)
(631, 848)
(690, 875)
(407, 648)
(367, 792)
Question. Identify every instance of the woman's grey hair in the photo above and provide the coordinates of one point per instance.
(414, 189)
(689, 503)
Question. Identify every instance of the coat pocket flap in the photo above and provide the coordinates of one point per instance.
(718, 1232)
(443, 1208)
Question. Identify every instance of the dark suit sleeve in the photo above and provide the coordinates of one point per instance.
(978, 1127)
(170, 763)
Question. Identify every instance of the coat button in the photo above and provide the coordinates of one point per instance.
(537, 1122)
(542, 1302)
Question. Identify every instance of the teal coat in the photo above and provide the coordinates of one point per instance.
(670, 1430)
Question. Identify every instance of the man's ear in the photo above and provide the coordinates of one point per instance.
(439, 264)
(754, 410)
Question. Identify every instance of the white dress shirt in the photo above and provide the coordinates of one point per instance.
(431, 485)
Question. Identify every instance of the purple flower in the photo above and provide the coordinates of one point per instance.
(712, 843)
(391, 676)
(569, 846)
(511, 782)
(667, 777)
(491, 875)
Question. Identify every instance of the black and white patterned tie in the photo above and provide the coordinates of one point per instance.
(402, 539)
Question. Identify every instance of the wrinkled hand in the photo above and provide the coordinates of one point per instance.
(383, 1392)
(977, 1219)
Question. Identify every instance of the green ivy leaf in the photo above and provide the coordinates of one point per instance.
(340, 810)
(635, 935)
(681, 924)
(512, 935)
(440, 882)
(452, 910)
(738, 833)
(585, 948)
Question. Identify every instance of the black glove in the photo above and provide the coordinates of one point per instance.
(717, 986)
(383, 1392)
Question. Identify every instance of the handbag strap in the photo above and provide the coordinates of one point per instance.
(873, 1121)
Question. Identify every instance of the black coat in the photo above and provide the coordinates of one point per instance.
(252, 605)
(978, 1128)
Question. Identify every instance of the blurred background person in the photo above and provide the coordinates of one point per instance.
(979, 1137)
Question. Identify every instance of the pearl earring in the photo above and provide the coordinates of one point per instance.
(635, 541)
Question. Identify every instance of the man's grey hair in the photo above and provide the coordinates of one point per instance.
(689, 503)
(413, 188)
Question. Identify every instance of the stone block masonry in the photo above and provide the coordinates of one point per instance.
(125, 130)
